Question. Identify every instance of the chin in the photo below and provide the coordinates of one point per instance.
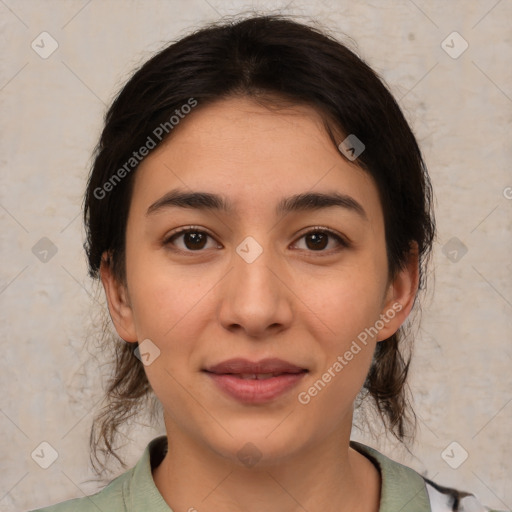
(257, 447)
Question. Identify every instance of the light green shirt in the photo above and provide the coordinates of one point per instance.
(402, 488)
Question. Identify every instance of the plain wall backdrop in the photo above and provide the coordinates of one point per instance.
(455, 90)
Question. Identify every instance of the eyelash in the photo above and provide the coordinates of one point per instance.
(343, 242)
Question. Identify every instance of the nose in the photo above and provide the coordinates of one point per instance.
(255, 297)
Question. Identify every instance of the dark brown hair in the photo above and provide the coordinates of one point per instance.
(265, 58)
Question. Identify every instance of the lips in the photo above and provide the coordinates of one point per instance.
(265, 368)
(257, 376)
(255, 382)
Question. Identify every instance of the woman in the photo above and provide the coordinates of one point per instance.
(260, 217)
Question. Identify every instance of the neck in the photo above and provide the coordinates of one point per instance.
(330, 476)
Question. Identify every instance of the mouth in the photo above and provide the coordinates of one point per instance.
(257, 376)
(255, 382)
(248, 369)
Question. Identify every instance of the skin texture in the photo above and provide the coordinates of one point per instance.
(294, 302)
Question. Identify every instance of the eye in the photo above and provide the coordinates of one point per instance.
(191, 239)
(319, 239)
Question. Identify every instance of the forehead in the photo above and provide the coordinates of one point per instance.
(253, 154)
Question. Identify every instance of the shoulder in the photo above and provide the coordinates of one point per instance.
(132, 491)
(110, 498)
(405, 489)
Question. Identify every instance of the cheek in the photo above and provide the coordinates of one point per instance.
(347, 301)
(167, 308)
(348, 304)
(163, 297)
(348, 309)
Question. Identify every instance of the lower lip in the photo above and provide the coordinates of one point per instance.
(254, 391)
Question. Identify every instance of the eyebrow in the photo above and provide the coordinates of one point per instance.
(300, 202)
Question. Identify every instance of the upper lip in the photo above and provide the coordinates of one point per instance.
(244, 366)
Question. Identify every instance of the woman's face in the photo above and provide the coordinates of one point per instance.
(263, 273)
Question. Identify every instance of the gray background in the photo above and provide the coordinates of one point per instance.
(51, 115)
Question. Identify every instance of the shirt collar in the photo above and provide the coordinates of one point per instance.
(402, 488)
(141, 493)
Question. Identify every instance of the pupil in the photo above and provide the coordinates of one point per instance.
(194, 240)
(319, 241)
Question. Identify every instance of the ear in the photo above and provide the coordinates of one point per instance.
(118, 301)
(400, 295)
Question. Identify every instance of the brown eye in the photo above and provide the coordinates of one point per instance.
(191, 240)
(318, 240)
(194, 240)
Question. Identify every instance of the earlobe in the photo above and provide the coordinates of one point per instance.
(118, 302)
(401, 295)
